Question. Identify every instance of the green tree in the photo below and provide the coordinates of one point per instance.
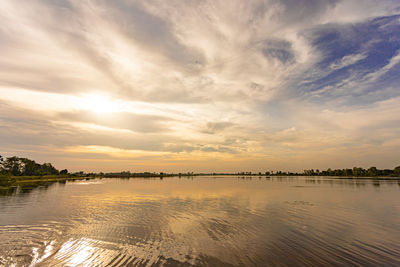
(13, 166)
(22, 166)
(1, 165)
(47, 168)
(397, 170)
(373, 171)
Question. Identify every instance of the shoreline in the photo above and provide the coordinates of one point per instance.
(34, 181)
(8, 182)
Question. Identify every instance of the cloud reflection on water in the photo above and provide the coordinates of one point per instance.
(216, 221)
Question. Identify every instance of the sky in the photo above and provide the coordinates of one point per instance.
(201, 85)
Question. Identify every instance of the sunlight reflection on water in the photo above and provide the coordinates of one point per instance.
(203, 221)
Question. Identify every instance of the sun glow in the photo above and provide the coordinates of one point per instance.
(99, 104)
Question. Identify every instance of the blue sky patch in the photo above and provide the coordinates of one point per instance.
(351, 54)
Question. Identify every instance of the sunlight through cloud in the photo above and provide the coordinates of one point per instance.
(100, 103)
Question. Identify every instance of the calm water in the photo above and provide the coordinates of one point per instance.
(203, 221)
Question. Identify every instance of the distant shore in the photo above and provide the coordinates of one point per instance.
(7, 181)
(16, 171)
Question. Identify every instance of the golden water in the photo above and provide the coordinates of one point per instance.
(204, 221)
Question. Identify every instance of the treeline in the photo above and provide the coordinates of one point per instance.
(355, 172)
(128, 174)
(26, 167)
(17, 166)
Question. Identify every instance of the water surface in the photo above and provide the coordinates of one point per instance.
(203, 221)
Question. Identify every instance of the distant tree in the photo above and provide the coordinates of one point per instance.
(373, 171)
(22, 166)
(65, 171)
(49, 169)
(397, 170)
(356, 171)
(348, 172)
(308, 172)
(31, 167)
(13, 166)
(1, 162)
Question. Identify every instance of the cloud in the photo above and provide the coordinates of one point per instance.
(347, 61)
(352, 59)
(121, 120)
(280, 50)
(215, 127)
(160, 53)
(373, 76)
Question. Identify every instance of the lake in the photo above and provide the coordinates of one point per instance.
(203, 221)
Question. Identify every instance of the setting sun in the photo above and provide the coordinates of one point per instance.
(99, 104)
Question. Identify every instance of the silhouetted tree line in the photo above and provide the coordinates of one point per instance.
(26, 167)
(128, 174)
(356, 172)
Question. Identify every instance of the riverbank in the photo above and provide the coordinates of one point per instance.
(7, 181)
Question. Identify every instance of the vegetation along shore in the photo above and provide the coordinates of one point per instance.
(16, 171)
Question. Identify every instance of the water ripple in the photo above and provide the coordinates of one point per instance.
(202, 222)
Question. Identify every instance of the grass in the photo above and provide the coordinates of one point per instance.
(7, 181)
